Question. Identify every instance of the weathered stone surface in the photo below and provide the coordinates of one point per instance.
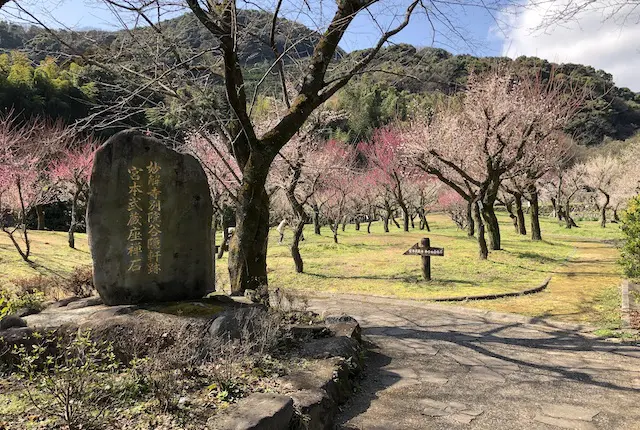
(114, 311)
(64, 302)
(231, 323)
(149, 222)
(341, 346)
(85, 303)
(259, 411)
(11, 321)
(565, 423)
(569, 411)
(315, 408)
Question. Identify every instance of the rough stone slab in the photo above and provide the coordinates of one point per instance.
(341, 346)
(149, 222)
(316, 407)
(259, 411)
(85, 303)
(569, 411)
(565, 423)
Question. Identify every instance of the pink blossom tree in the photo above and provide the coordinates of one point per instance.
(502, 121)
(25, 153)
(70, 174)
(390, 170)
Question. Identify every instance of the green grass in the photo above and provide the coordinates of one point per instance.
(581, 261)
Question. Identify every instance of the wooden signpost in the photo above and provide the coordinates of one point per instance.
(424, 250)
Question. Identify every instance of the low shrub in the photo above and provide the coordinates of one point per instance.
(630, 256)
(80, 283)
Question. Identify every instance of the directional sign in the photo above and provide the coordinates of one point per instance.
(417, 250)
(424, 250)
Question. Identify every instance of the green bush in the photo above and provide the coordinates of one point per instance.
(630, 259)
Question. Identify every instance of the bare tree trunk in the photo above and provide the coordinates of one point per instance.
(483, 251)
(491, 225)
(536, 232)
(470, 219)
(405, 216)
(522, 227)
(603, 210)
(72, 227)
(225, 238)
(357, 222)
(334, 229)
(316, 219)
(23, 228)
(569, 222)
(413, 225)
(393, 218)
(514, 218)
(344, 223)
(295, 245)
(40, 215)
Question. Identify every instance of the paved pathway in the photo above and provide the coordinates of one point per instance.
(438, 367)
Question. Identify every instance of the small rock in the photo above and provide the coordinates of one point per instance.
(231, 323)
(182, 402)
(344, 325)
(259, 411)
(85, 303)
(11, 321)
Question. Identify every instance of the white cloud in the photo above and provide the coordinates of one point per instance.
(600, 37)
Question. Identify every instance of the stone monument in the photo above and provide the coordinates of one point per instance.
(149, 222)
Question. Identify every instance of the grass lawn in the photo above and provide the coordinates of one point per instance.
(582, 263)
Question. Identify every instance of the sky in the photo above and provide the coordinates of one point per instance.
(594, 38)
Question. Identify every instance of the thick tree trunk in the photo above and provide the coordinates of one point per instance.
(536, 232)
(295, 245)
(483, 251)
(492, 226)
(568, 220)
(413, 224)
(40, 214)
(248, 248)
(603, 210)
(316, 219)
(522, 228)
(470, 221)
(357, 222)
(72, 227)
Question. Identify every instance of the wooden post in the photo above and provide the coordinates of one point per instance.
(426, 260)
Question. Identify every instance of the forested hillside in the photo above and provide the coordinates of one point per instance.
(405, 79)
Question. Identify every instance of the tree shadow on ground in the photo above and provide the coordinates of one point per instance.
(558, 340)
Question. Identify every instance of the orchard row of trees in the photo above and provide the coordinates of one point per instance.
(40, 162)
(503, 143)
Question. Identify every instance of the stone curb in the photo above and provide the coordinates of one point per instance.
(537, 289)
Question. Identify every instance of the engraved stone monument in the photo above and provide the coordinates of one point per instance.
(149, 222)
